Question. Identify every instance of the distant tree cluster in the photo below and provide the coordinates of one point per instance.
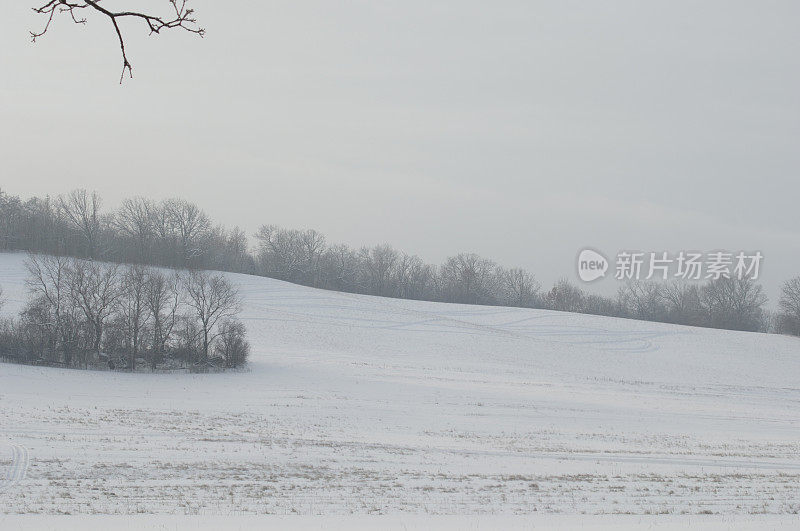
(730, 303)
(303, 257)
(788, 318)
(85, 314)
(172, 233)
(178, 234)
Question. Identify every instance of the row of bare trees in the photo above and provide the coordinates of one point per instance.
(84, 313)
(304, 257)
(787, 320)
(177, 233)
(730, 303)
(173, 233)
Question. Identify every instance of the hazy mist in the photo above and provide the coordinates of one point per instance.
(522, 131)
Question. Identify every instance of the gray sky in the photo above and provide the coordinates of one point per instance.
(522, 131)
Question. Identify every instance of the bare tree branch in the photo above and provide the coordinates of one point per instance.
(183, 18)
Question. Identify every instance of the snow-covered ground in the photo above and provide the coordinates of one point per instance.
(363, 405)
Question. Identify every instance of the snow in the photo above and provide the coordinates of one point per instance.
(400, 522)
(359, 405)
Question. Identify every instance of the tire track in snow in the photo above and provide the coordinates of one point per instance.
(20, 460)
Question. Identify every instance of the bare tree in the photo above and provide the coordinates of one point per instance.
(341, 265)
(469, 279)
(379, 265)
(11, 216)
(280, 252)
(82, 212)
(212, 300)
(35, 331)
(181, 17)
(135, 220)
(413, 277)
(789, 306)
(49, 280)
(519, 287)
(47, 277)
(734, 303)
(233, 346)
(683, 303)
(643, 299)
(161, 221)
(313, 245)
(599, 305)
(236, 251)
(163, 300)
(95, 289)
(565, 297)
(421, 279)
(191, 225)
(133, 308)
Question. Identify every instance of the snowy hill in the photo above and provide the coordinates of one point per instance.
(362, 404)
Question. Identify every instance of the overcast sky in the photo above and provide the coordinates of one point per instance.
(522, 131)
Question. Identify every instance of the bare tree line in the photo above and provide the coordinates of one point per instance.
(788, 318)
(729, 303)
(171, 233)
(176, 233)
(304, 257)
(85, 314)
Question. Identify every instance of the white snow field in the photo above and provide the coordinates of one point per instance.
(358, 405)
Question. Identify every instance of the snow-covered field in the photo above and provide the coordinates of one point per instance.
(362, 405)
